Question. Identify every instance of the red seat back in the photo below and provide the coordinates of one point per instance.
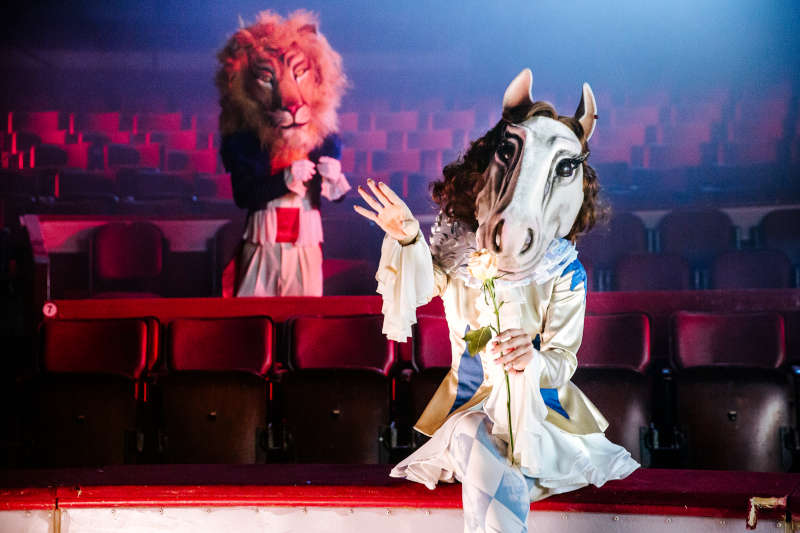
(242, 344)
(779, 230)
(752, 269)
(128, 251)
(698, 235)
(124, 347)
(432, 343)
(652, 272)
(746, 339)
(342, 343)
(158, 122)
(616, 341)
(624, 233)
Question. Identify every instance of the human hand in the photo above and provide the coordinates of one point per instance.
(329, 168)
(297, 174)
(391, 213)
(513, 349)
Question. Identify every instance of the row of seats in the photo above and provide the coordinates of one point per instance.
(653, 137)
(65, 187)
(333, 389)
(693, 249)
(126, 258)
(738, 269)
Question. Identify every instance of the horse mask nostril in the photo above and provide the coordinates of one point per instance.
(528, 242)
(498, 231)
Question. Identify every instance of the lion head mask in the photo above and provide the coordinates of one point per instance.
(282, 80)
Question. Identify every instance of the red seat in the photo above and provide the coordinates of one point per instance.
(117, 156)
(348, 122)
(612, 370)
(84, 407)
(745, 339)
(101, 122)
(652, 272)
(733, 401)
(127, 257)
(431, 140)
(454, 120)
(778, 230)
(604, 245)
(75, 185)
(347, 277)
(39, 122)
(176, 140)
(752, 269)
(214, 395)
(699, 235)
(152, 184)
(157, 122)
(337, 394)
(432, 357)
(397, 121)
(387, 161)
(365, 140)
(203, 161)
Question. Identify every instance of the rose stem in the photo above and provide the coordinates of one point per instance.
(490, 286)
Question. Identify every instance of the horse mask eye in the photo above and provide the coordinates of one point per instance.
(566, 167)
(506, 151)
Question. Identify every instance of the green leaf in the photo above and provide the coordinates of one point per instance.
(477, 339)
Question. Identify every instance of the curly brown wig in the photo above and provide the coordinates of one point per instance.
(463, 179)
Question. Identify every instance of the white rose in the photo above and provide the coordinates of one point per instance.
(482, 265)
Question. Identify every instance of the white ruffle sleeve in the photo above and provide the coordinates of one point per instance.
(406, 281)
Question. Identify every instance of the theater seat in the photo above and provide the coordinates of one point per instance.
(604, 246)
(612, 371)
(337, 393)
(699, 235)
(126, 259)
(652, 272)
(84, 407)
(778, 230)
(214, 395)
(431, 359)
(732, 398)
(751, 269)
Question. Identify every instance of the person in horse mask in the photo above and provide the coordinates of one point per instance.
(507, 423)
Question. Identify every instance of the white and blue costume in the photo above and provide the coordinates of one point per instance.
(559, 443)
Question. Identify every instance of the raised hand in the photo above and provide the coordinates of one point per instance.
(391, 213)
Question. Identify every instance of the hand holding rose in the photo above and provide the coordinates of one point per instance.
(513, 349)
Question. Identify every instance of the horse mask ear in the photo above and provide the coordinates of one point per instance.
(586, 113)
(517, 97)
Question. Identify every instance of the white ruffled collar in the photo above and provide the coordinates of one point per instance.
(452, 243)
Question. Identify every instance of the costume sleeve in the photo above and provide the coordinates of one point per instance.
(253, 183)
(407, 278)
(563, 329)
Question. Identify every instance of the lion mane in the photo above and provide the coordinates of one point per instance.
(241, 109)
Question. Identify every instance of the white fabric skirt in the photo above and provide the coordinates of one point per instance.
(567, 461)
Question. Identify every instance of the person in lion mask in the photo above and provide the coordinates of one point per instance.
(280, 85)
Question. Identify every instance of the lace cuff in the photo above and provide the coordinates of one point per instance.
(405, 280)
(333, 189)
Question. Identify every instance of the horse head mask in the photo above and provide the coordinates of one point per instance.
(533, 186)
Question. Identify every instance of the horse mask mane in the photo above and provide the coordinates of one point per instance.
(282, 80)
(533, 186)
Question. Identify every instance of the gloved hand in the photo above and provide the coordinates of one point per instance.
(297, 174)
(329, 168)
